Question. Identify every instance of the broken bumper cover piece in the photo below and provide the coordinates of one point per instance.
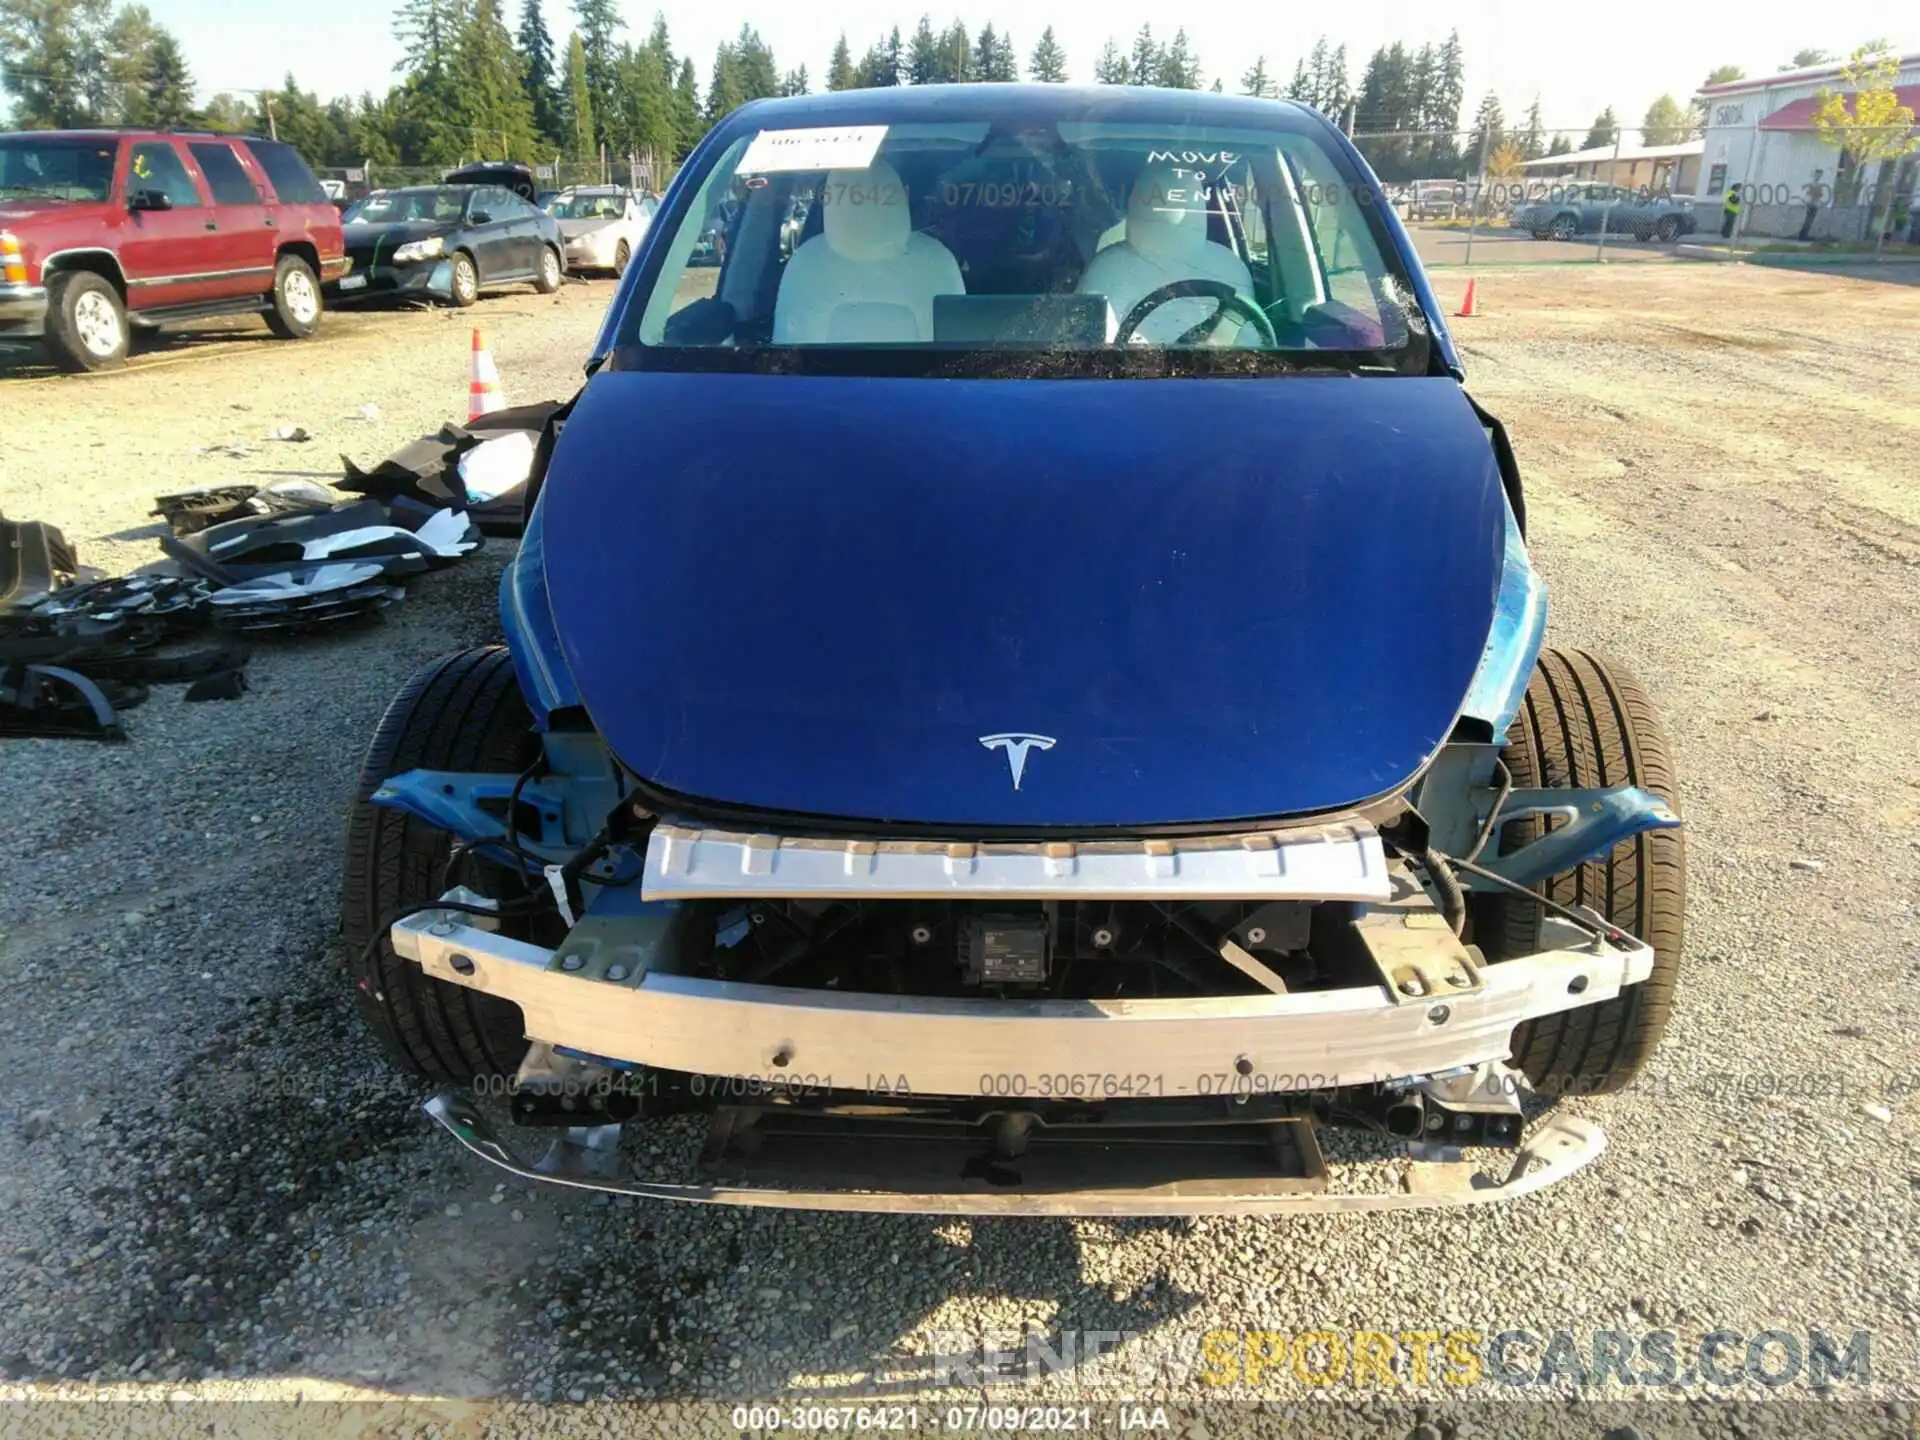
(587, 1160)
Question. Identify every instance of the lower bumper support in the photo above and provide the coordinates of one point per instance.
(587, 1160)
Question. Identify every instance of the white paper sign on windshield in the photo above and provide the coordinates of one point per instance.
(828, 147)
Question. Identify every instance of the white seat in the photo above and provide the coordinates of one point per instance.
(868, 277)
(1166, 240)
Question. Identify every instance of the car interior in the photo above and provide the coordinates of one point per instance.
(1028, 240)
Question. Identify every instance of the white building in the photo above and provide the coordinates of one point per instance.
(1759, 136)
(1674, 169)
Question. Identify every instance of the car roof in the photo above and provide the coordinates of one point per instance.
(902, 103)
(98, 132)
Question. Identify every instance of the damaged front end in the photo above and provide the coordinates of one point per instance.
(1118, 1026)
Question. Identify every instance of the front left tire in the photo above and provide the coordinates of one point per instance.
(462, 712)
(547, 280)
(86, 322)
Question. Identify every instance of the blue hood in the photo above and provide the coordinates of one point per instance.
(1220, 599)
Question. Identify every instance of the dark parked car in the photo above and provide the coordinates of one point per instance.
(449, 242)
(1562, 214)
(104, 231)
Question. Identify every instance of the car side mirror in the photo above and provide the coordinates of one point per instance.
(480, 217)
(149, 200)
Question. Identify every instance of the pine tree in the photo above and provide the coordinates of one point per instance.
(725, 93)
(687, 125)
(1605, 131)
(535, 43)
(840, 74)
(1112, 67)
(1489, 130)
(599, 21)
(1300, 88)
(1048, 63)
(581, 130)
(759, 76)
(1533, 140)
(1256, 81)
(1143, 67)
(494, 109)
(993, 58)
(923, 54)
(1179, 68)
(956, 55)
(127, 43)
(168, 84)
(794, 82)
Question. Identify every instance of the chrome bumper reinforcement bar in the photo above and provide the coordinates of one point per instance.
(1342, 861)
(1039, 1048)
(586, 1159)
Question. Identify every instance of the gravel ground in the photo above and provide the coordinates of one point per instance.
(212, 1186)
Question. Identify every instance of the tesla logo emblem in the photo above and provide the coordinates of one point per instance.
(1017, 747)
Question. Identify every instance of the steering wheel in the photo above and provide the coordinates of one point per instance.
(1226, 297)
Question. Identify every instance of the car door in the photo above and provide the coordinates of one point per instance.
(172, 247)
(529, 238)
(244, 222)
(489, 234)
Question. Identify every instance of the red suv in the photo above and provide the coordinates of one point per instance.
(102, 229)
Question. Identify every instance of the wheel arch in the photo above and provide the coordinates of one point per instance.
(303, 250)
(101, 262)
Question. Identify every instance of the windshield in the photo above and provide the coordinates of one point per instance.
(55, 169)
(588, 207)
(1042, 241)
(386, 207)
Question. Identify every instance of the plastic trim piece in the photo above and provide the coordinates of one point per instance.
(1334, 862)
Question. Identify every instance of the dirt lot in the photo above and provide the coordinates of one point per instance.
(210, 1186)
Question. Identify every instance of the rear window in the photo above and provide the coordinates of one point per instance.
(226, 176)
(292, 181)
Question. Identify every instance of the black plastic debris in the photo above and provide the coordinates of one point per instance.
(54, 702)
(35, 560)
(443, 469)
(222, 685)
(188, 512)
(306, 597)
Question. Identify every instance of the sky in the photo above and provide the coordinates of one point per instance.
(1576, 58)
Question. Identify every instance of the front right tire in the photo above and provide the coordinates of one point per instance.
(86, 322)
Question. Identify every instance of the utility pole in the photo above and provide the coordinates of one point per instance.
(273, 131)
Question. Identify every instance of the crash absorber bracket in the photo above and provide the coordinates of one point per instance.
(1419, 958)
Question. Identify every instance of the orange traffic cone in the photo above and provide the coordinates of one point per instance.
(1470, 306)
(483, 388)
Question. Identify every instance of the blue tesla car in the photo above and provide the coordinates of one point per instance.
(1024, 693)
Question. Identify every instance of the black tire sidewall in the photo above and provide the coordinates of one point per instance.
(463, 712)
(1576, 707)
(622, 257)
(63, 338)
(280, 318)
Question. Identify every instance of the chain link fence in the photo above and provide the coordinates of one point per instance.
(1470, 198)
(350, 182)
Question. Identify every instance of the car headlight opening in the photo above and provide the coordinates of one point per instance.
(420, 250)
